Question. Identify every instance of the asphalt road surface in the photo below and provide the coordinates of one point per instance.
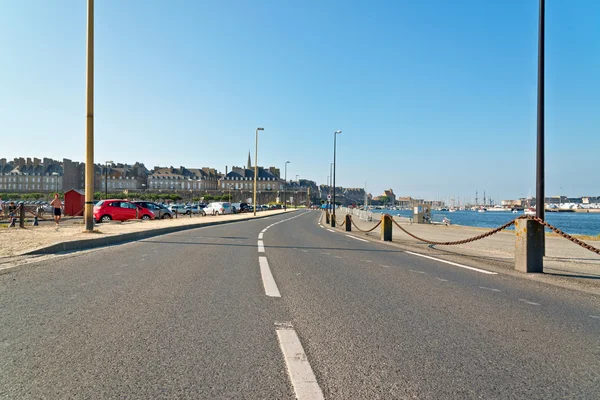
(280, 308)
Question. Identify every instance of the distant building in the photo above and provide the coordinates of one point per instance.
(405, 201)
(511, 203)
(27, 175)
(243, 179)
(119, 177)
(354, 195)
(169, 178)
(389, 193)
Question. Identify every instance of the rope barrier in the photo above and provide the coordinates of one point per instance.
(370, 230)
(337, 223)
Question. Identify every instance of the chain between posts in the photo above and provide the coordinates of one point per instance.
(473, 239)
(566, 235)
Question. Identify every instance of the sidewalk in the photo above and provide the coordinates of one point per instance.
(563, 258)
(16, 241)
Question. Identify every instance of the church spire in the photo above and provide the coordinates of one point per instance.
(249, 161)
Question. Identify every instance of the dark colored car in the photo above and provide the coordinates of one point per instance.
(120, 210)
(160, 212)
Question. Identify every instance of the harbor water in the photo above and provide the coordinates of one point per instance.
(572, 223)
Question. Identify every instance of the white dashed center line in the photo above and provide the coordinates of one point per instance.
(301, 374)
(271, 289)
(261, 246)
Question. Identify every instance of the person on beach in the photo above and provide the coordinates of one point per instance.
(57, 205)
(12, 209)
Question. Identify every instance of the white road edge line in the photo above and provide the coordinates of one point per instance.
(271, 289)
(261, 246)
(331, 230)
(483, 271)
(300, 372)
(488, 288)
(353, 237)
(529, 302)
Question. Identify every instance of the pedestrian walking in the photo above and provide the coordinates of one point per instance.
(57, 205)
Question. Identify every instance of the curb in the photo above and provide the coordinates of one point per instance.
(86, 244)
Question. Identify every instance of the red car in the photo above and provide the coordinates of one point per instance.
(120, 210)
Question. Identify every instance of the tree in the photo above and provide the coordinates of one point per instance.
(384, 200)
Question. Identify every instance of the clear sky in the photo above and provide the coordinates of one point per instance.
(435, 98)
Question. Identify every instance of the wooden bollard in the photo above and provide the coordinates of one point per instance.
(21, 215)
(386, 228)
(327, 217)
(348, 223)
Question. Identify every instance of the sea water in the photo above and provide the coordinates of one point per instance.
(569, 222)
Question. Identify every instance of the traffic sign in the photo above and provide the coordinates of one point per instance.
(328, 197)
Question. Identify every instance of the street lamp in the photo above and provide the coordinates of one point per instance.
(106, 178)
(285, 188)
(55, 175)
(256, 166)
(334, 150)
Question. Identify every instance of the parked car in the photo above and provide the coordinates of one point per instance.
(218, 208)
(196, 209)
(179, 209)
(160, 212)
(120, 210)
(239, 207)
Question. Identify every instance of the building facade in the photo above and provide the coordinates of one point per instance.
(169, 178)
(27, 175)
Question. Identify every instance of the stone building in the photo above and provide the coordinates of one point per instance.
(119, 177)
(27, 175)
(169, 178)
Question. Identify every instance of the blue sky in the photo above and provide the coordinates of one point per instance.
(435, 98)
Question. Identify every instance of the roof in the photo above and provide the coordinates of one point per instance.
(247, 174)
(81, 192)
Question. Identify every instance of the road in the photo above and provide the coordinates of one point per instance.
(282, 307)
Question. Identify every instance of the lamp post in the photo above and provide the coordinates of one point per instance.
(106, 178)
(256, 166)
(540, 195)
(55, 175)
(285, 188)
(334, 151)
(89, 122)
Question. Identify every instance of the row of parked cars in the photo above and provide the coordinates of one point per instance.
(122, 210)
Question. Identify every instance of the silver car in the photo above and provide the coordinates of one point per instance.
(160, 212)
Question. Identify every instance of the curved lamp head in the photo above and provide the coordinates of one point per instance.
(336, 132)
(260, 129)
